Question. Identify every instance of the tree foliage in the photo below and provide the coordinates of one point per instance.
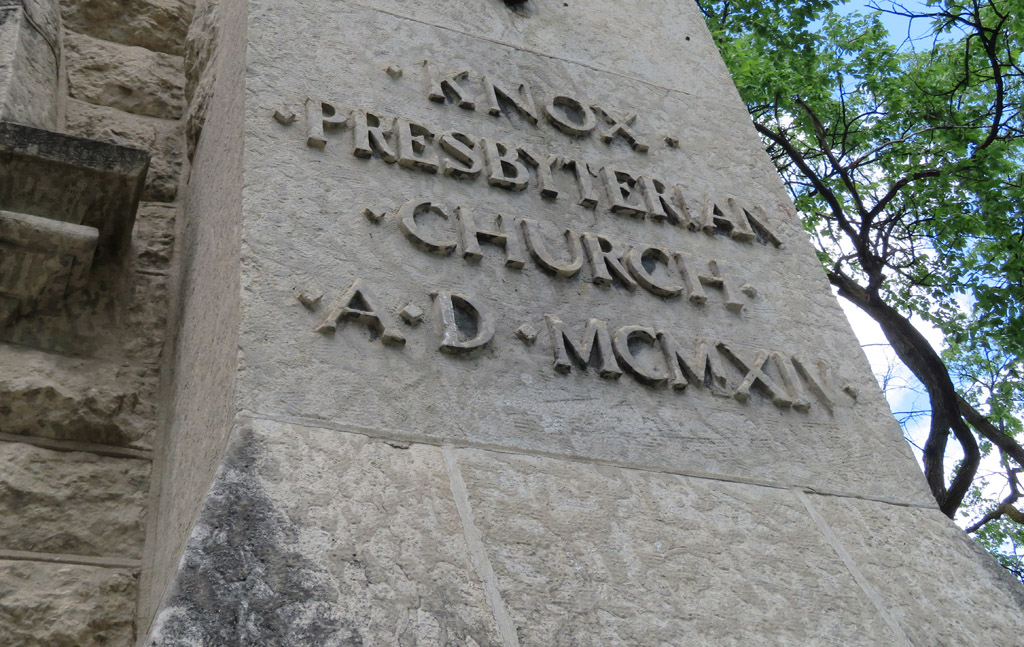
(906, 161)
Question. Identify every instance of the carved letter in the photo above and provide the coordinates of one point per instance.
(704, 368)
(506, 237)
(819, 382)
(523, 103)
(731, 220)
(662, 207)
(790, 382)
(629, 361)
(369, 134)
(321, 115)
(755, 375)
(604, 261)
(584, 180)
(622, 190)
(757, 219)
(637, 260)
(620, 128)
(439, 85)
(718, 281)
(464, 151)
(412, 144)
(570, 116)
(407, 223)
(694, 289)
(464, 326)
(535, 243)
(356, 304)
(503, 166)
(595, 340)
(543, 166)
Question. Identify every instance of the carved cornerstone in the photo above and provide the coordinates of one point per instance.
(531, 351)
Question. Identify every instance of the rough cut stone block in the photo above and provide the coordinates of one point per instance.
(71, 502)
(67, 398)
(133, 79)
(159, 25)
(153, 238)
(943, 589)
(590, 555)
(361, 545)
(163, 139)
(56, 605)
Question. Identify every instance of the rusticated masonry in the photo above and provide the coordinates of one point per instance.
(81, 363)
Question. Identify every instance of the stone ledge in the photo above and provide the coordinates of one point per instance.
(72, 179)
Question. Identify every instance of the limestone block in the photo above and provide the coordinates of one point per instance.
(163, 139)
(590, 555)
(146, 318)
(108, 400)
(330, 539)
(200, 59)
(72, 502)
(72, 179)
(129, 78)
(153, 239)
(55, 605)
(942, 588)
(42, 260)
(303, 224)
(84, 402)
(30, 36)
(158, 25)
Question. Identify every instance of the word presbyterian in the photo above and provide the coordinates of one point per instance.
(463, 157)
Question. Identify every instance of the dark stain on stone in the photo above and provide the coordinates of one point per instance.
(240, 583)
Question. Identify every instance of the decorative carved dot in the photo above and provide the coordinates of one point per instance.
(411, 315)
(526, 334)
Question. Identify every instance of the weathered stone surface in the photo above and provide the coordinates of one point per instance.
(133, 79)
(201, 67)
(163, 139)
(205, 361)
(943, 589)
(71, 502)
(159, 25)
(72, 179)
(361, 544)
(69, 398)
(54, 605)
(590, 555)
(29, 39)
(153, 239)
(510, 394)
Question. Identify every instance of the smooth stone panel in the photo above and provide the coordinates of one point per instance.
(591, 555)
(56, 605)
(72, 502)
(305, 231)
(636, 36)
(326, 539)
(943, 588)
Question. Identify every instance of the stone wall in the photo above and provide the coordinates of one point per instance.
(79, 430)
